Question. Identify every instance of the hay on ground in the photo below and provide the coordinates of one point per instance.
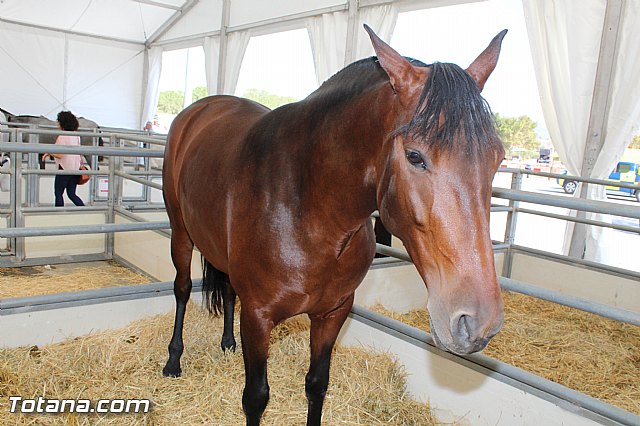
(591, 354)
(365, 388)
(50, 279)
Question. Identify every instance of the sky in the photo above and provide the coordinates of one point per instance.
(282, 63)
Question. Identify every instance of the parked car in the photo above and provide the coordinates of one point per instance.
(625, 172)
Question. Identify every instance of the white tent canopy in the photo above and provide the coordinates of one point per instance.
(102, 58)
(96, 57)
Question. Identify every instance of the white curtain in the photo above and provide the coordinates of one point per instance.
(623, 115)
(237, 42)
(152, 91)
(211, 61)
(382, 19)
(328, 36)
(565, 42)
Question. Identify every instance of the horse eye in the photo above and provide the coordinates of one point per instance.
(416, 159)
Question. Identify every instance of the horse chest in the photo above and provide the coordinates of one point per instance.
(336, 279)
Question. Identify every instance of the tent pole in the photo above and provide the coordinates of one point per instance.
(222, 59)
(350, 51)
(63, 31)
(178, 14)
(596, 132)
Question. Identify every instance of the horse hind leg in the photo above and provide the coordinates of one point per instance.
(181, 250)
(228, 341)
(219, 296)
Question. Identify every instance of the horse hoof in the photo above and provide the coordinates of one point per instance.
(228, 346)
(168, 371)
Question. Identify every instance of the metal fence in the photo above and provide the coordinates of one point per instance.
(25, 176)
(515, 195)
(105, 188)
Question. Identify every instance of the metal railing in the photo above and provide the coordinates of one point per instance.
(530, 383)
(515, 195)
(116, 148)
(543, 294)
(25, 177)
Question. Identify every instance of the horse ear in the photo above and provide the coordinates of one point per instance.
(397, 68)
(484, 64)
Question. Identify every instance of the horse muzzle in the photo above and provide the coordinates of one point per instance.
(465, 335)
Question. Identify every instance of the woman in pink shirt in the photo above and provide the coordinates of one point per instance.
(67, 121)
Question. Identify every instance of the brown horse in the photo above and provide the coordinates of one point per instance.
(278, 203)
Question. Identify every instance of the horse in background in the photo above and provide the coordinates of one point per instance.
(279, 203)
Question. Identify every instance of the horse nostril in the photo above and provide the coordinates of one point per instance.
(462, 327)
(467, 334)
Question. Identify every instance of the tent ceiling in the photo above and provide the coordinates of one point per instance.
(126, 20)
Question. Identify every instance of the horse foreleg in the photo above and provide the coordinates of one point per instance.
(324, 332)
(181, 250)
(254, 332)
(228, 341)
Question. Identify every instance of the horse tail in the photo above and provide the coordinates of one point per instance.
(214, 282)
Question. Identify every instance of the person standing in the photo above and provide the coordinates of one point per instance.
(67, 121)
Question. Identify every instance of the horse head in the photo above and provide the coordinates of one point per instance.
(434, 190)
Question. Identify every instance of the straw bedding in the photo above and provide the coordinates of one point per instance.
(365, 388)
(39, 280)
(594, 355)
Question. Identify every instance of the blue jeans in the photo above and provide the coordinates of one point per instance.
(68, 183)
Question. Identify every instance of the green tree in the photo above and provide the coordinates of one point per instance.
(635, 142)
(267, 99)
(170, 102)
(517, 132)
(198, 93)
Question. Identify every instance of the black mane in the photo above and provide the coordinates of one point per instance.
(449, 91)
(452, 93)
(349, 82)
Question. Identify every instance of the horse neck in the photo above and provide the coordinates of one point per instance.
(348, 151)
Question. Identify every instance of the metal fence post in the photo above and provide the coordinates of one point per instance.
(147, 168)
(13, 156)
(512, 221)
(32, 182)
(119, 182)
(17, 218)
(111, 198)
(93, 183)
